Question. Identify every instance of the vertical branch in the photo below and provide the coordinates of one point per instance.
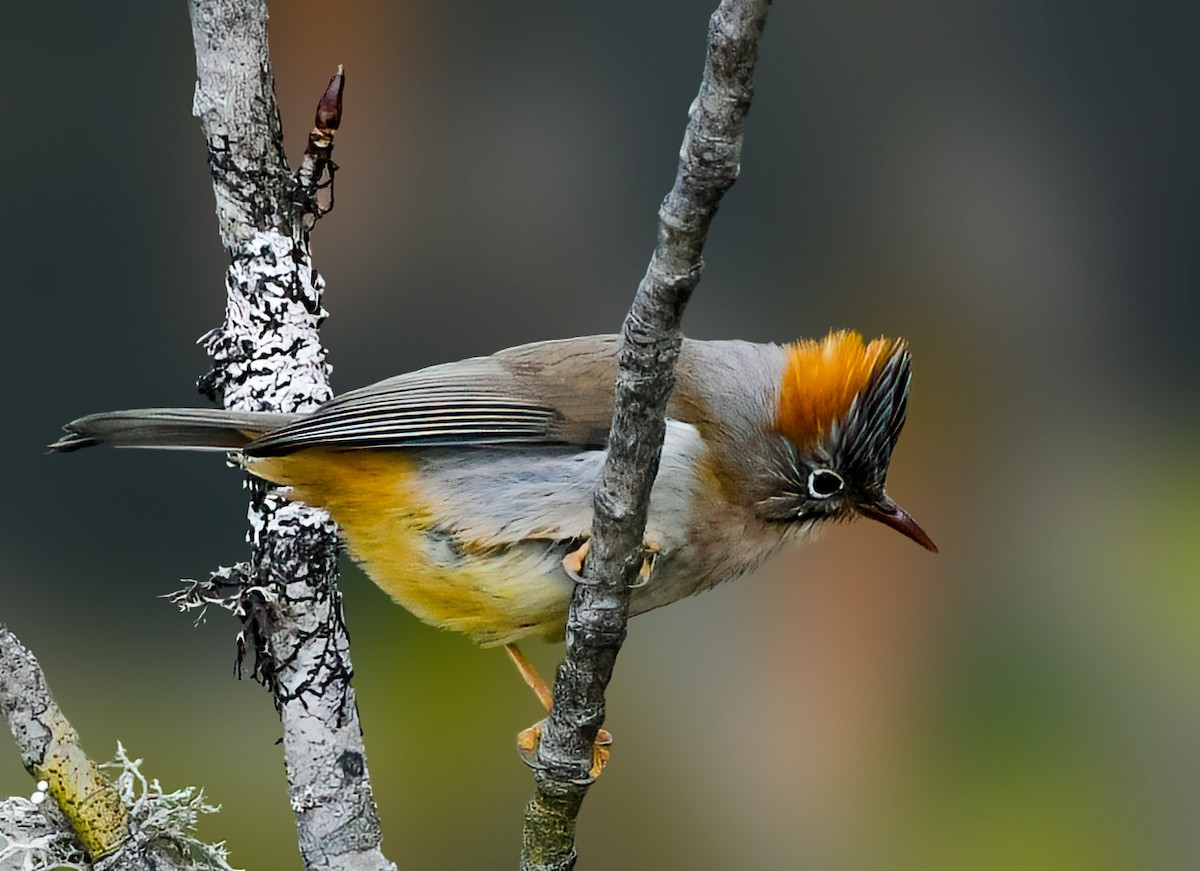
(268, 356)
(708, 166)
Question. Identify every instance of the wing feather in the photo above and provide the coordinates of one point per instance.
(549, 393)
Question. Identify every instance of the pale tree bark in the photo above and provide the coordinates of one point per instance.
(267, 356)
(77, 818)
(51, 752)
(709, 162)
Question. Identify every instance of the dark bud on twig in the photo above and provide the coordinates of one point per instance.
(315, 177)
(329, 110)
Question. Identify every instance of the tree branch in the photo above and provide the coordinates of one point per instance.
(267, 356)
(51, 752)
(708, 166)
(93, 824)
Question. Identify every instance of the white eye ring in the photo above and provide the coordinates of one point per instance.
(823, 483)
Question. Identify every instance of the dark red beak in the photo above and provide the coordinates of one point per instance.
(890, 514)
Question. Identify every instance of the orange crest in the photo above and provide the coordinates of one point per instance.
(821, 379)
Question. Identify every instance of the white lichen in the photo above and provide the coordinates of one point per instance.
(164, 823)
(274, 308)
(228, 588)
(35, 836)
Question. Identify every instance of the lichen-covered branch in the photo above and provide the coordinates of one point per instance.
(51, 752)
(708, 166)
(268, 356)
(92, 824)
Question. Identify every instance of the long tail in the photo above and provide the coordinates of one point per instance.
(194, 429)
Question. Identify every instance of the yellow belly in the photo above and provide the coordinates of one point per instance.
(495, 594)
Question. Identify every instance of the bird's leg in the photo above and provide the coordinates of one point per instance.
(527, 740)
(529, 673)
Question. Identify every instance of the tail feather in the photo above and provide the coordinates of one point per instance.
(171, 428)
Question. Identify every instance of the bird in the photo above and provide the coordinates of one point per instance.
(464, 490)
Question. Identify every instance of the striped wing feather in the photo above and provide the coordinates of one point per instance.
(556, 392)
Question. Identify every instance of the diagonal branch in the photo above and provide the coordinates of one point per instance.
(51, 752)
(708, 166)
(268, 356)
(92, 823)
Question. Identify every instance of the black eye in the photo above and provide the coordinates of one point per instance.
(823, 483)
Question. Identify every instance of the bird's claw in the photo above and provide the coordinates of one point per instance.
(527, 747)
(572, 564)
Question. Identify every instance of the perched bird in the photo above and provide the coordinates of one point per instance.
(465, 490)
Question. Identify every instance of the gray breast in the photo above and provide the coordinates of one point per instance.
(507, 495)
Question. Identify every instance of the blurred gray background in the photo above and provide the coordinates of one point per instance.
(1010, 185)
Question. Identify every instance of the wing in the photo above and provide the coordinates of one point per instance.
(546, 393)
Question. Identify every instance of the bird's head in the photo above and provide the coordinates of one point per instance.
(842, 404)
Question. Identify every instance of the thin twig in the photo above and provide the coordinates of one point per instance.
(708, 166)
(268, 356)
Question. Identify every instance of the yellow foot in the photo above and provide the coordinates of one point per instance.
(649, 555)
(527, 744)
(572, 563)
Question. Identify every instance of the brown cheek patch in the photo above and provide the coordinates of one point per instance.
(821, 379)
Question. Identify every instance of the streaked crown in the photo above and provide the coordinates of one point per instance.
(848, 395)
(822, 378)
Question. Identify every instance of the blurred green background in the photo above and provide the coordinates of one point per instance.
(1010, 185)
